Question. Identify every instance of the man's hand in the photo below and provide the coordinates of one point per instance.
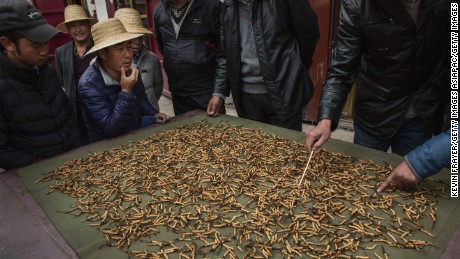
(402, 175)
(318, 135)
(161, 118)
(128, 79)
(214, 106)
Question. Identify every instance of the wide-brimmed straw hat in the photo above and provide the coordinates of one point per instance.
(132, 21)
(109, 32)
(73, 13)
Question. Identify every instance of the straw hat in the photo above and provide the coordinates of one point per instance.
(73, 13)
(109, 32)
(132, 21)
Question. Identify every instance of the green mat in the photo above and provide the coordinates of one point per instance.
(88, 242)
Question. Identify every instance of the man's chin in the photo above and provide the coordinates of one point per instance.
(81, 39)
(41, 63)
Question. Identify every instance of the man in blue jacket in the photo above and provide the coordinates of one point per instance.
(422, 162)
(111, 91)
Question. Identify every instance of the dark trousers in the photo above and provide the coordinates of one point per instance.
(183, 104)
(258, 107)
(410, 135)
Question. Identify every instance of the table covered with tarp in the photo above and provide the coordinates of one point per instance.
(39, 224)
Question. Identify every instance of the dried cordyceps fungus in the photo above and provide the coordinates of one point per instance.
(230, 191)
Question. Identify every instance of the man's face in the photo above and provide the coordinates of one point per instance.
(136, 44)
(27, 53)
(117, 56)
(79, 30)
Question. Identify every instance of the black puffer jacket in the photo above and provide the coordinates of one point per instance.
(190, 59)
(35, 115)
(392, 61)
(285, 33)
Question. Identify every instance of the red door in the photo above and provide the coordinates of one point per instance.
(327, 12)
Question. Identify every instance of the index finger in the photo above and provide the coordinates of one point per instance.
(385, 184)
(311, 141)
(308, 142)
(123, 74)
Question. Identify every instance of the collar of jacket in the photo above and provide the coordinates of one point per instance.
(20, 73)
(141, 54)
(195, 4)
(108, 80)
(90, 45)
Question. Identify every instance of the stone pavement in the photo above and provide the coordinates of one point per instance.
(166, 107)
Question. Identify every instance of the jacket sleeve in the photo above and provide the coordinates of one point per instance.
(215, 19)
(304, 23)
(431, 157)
(157, 77)
(220, 80)
(11, 157)
(59, 70)
(146, 107)
(344, 65)
(158, 36)
(113, 119)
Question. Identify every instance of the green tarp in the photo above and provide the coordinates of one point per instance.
(88, 242)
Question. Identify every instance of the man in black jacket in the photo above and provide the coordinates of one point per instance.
(187, 36)
(396, 53)
(35, 116)
(267, 48)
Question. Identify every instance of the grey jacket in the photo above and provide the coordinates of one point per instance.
(151, 74)
(65, 71)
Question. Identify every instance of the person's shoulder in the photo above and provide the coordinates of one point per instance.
(159, 8)
(90, 76)
(150, 55)
(64, 47)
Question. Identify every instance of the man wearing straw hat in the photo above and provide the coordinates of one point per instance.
(146, 62)
(36, 120)
(71, 60)
(187, 33)
(111, 91)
